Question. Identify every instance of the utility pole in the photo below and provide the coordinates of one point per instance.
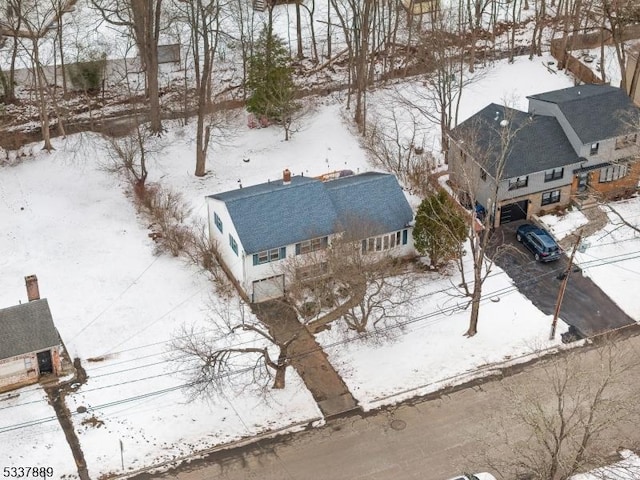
(563, 287)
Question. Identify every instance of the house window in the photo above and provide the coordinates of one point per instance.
(385, 242)
(614, 172)
(234, 245)
(271, 255)
(626, 141)
(518, 182)
(594, 148)
(217, 221)
(553, 174)
(312, 245)
(551, 197)
(483, 174)
(27, 363)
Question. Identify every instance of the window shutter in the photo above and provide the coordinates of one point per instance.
(283, 252)
(404, 237)
(255, 258)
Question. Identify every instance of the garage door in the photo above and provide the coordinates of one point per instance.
(268, 288)
(514, 211)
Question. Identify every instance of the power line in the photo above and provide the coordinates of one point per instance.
(428, 319)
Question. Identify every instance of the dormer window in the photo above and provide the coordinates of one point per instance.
(518, 182)
(594, 148)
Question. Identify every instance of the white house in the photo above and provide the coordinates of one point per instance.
(29, 342)
(257, 228)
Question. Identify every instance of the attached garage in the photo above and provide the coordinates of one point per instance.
(514, 211)
(268, 288)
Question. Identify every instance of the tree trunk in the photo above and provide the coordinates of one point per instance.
(40, 89)
(146, 19)
(201, 154)
(299, 30)
(633, 87)
(154, 94)
(475, 307)
(281, 369)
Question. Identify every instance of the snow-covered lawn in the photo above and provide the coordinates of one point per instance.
(430, 352)
(562, 225)
(118, 304)
(112, 300)
(611, 257)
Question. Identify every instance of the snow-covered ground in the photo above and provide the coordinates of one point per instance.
(562, 225)
(626, 469)
(611, 256)
(117, 305)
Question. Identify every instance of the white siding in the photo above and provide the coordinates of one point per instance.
(537, 184)
(14, 370)
(233, 261)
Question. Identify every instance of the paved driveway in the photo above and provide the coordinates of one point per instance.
(585, 306)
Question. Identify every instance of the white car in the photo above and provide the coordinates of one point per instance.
(474, 476)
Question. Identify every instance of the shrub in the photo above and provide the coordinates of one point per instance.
(87, 76)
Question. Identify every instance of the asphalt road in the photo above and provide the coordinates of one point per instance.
(585, 305)
(429, 440)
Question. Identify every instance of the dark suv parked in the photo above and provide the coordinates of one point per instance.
(538, 240)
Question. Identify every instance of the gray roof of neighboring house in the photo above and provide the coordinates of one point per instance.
(538, 143)
(27, 328)
(595, 112)
(271, 215)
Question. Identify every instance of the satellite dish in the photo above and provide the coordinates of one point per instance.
(504, 123)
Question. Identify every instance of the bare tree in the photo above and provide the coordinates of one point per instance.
(395, 142)
(617, 16)
(482, 145)
(128, 154)
(34, 19)
(563, 423)
(437, 99)
(143, 20)
(233, 352)
(354, 280)
(203, 19)
(310, 7)
(539, 20)
(364, 24)
(13, 24)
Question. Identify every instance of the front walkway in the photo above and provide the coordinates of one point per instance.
(596, 220)
(307, 357)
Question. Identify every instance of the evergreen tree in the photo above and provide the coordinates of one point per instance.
(440, 228)
(270, 80)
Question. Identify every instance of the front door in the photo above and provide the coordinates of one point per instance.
(583, 181)
(45, 365)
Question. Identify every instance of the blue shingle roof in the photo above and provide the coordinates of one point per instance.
(271, 215)
(375, 199)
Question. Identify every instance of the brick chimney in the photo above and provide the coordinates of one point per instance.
(33, 293)
(286, 177)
